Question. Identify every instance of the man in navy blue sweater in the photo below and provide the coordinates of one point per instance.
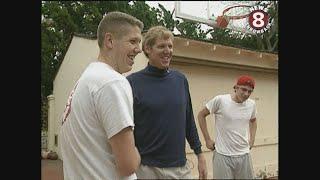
(163, 114)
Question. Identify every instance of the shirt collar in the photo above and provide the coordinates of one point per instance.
(157, 71)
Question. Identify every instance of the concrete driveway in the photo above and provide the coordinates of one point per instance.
(51, 169)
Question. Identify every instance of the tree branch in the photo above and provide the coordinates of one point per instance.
(275, 44)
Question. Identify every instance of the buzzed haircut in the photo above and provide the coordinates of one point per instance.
(116, 23)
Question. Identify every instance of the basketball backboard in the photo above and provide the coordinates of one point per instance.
(208, 12)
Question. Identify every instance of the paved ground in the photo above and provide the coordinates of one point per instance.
(51, 170)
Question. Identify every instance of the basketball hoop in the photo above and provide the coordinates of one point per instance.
(223, 21)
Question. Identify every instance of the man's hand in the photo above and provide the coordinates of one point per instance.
(251, 144)
(202, 166)
(210, 144)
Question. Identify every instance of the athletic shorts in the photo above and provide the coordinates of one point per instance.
(232, 167)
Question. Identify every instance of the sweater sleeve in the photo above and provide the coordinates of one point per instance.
(191, 129)
(131, 82)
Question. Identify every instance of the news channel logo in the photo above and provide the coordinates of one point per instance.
(259, 20)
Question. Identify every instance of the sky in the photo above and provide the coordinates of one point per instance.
(169, 5)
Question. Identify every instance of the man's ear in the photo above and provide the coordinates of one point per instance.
(147, 49)
(108, 40)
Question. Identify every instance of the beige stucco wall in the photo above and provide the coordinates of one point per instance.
(211, 70)
(206, 82)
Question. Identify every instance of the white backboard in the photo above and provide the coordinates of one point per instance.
(207, 12)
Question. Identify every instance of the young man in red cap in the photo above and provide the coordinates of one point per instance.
(235, 129)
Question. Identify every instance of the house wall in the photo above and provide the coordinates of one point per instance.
(206, 82)
(211, 70)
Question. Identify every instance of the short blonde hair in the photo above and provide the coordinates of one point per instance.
(116, 23)
(154, 33)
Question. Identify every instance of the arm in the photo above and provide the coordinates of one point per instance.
(253, 129)
(191, 129)
(193, 137)
(202, 166)
(117, 120)
(203, 126)
(126, 155)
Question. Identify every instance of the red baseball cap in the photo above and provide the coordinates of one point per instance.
(246, 81)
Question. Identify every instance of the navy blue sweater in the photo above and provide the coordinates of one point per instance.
(163, 117)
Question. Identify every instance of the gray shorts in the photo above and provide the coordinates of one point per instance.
(232, 167)
(148, 172)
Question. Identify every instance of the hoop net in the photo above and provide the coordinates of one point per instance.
(234, 14)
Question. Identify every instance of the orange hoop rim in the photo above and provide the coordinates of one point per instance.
(235, 17)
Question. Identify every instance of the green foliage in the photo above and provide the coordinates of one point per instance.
(60, 19)
(142, 11)
(166, 18)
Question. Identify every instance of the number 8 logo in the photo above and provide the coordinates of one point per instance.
(258, 19)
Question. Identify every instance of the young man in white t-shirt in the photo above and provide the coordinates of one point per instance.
(235, 129)
(96, 137)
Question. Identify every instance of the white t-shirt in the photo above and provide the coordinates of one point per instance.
(231, 124)
(100, 106)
